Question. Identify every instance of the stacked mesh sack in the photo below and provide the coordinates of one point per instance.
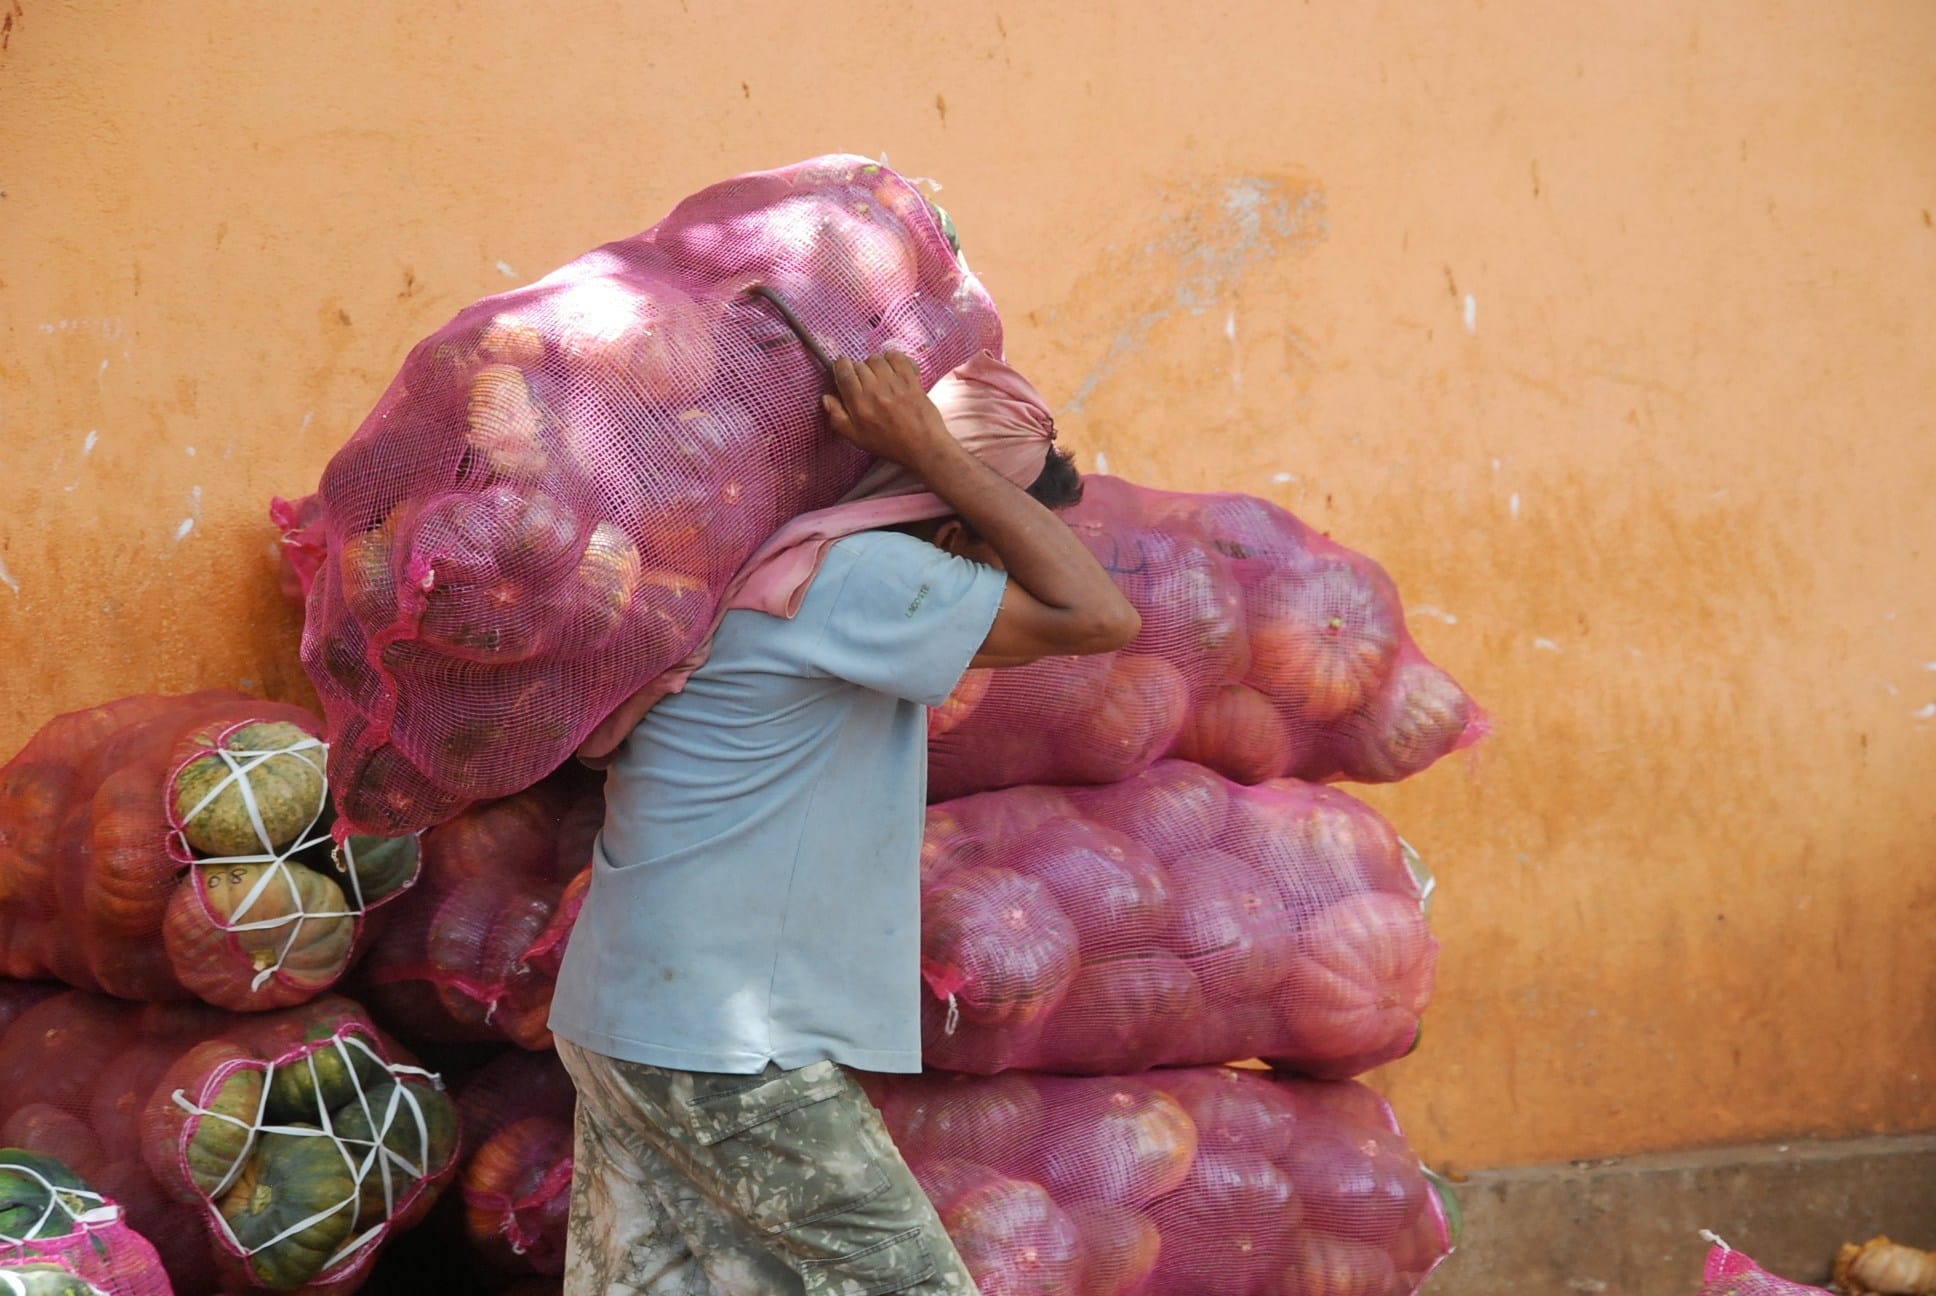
(515, 1182)
(1132, 862)
(269, 1151)
(471, 953)
(162, 847)
(1267, 650)
(1200, 1181)
(1173, 918)
(537, 518)
(58, 1235)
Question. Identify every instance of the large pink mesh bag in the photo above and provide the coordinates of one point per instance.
(1266, 650)
(1730, 1273)
(1203, 1182)
(163, 847)
(516, 1177)
(53, 1221)
(472, 951)
(537, 517)
(272, 1151)
(1173, 918)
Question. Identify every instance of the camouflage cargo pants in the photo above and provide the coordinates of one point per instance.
(689, 1183)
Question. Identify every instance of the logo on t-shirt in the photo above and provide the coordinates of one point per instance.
(920, 596)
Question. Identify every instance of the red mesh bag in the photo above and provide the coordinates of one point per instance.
(17, 997)
(536, 519)
(516, 1178)
(472, 951)
(166, 847)
(50, 1216)
(1729, 1273)
(304, 544)
(1266, 650)
(270, 1151)
(1173, 918)
(1202, 1182)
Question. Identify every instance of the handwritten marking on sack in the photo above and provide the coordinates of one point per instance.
(920, 597)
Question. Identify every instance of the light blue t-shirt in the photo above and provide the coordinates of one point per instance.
(755, 893)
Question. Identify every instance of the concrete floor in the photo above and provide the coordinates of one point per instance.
(1631, 1227)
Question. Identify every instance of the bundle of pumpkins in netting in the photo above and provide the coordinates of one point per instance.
(539, 515)
(515, 1181)
(1204, 1181)
(159, 848)
(1173, 918)
(1266, 650)
(59, 1235)
(471, 953)
(274, 1151)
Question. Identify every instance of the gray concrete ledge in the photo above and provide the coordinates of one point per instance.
(1631, 1226)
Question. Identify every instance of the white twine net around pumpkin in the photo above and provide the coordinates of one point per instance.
(363, 1157)
(12, 1284)
(239, 763)
(101, 1212)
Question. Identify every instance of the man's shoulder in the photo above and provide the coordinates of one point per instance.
(893, 556)
(885, 545)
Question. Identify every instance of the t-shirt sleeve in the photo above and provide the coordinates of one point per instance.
(905, 618)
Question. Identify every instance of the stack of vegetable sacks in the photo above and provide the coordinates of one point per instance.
(1206, 1181)
(272, 1151)
(52, 1222)
(1266, 650)
(538, 516)
(1103, 893)
(159, 848)
(472, 951)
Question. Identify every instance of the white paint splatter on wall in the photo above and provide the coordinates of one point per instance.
(1471, 313)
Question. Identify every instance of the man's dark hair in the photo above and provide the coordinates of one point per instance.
(1058, 485)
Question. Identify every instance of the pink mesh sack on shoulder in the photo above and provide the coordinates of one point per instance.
(1173, 918)
(273, 1151)
(538, 516)
(1202, 1182)
(472, 951)
(53, 1221)
(159, 847)
(1266, 650)
(516, 1178)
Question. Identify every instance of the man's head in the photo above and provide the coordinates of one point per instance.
(1056, 487)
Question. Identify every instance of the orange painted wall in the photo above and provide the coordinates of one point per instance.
(1609, 328)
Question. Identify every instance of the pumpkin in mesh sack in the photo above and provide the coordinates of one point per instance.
(212, 1130)
(516, 1177)
(192, 854)
(54, 1223)
(1186, 1182)
(45, 1280)
(1175, 918)
(559, 482)
(472, 952)
(1266, 650)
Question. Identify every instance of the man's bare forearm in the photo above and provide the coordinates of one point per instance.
(1039, 550)
(882, 408)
